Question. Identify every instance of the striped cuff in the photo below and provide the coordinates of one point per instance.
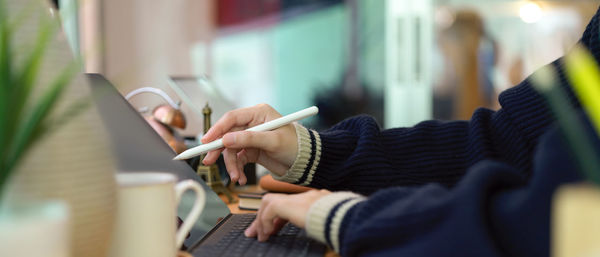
(307, 160)
(325, 216)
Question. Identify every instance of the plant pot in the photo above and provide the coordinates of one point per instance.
(575, 223)
(36, 230)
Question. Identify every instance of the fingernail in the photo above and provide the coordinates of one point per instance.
(247, 232)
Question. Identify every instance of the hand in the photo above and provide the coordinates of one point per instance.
(277, 209)
(276, 149)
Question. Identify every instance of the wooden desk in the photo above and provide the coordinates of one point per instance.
(233, 207)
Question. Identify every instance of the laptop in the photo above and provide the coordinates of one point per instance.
(217, 232)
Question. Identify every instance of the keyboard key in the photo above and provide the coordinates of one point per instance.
(290, 241)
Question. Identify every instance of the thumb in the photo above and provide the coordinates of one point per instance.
(264, 140)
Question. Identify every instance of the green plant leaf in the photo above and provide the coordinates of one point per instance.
(25, 119)
(6, 82)
(27, 78)
(33, 127)
(18, 83)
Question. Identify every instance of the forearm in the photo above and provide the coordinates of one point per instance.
(492, 211)
(341, 157)
(356, 155)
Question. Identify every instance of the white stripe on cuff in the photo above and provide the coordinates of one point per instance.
(320, 210)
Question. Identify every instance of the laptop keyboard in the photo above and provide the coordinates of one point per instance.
(290, 241)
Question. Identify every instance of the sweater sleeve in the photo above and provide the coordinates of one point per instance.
(492, 211)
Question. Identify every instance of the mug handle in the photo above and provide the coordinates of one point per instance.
(194, 214)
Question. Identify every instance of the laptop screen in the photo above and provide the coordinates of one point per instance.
(137, 147)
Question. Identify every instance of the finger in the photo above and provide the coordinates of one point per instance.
(239, 117)
(251, 230)
(257, 221)
(266, 221)
(264, 140)
(278, 223)
(212, 156)
(205, 140)
(242, 176)
(230, 158)
(242, 161)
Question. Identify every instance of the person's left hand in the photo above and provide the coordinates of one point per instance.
(277, 209)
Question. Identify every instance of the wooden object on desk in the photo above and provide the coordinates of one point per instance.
(183, 254)
(233, 206)
(268, 183)
(250, 198)
(250, 201)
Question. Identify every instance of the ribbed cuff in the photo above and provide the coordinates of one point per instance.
(325, 216)
(307, 159)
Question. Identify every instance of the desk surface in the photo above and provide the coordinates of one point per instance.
(233, 207)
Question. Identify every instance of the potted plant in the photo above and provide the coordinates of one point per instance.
(24, 120)
(52, 142)
(24, 117)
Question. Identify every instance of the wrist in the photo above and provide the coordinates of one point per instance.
(307, 157)
(325, 216)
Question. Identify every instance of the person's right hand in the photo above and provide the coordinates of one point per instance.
(275, 150)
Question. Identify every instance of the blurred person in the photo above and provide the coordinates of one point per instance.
(487, 61)
(515, 73)
(481, 187)
(471, 54)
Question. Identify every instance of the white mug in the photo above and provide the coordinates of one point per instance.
(146, 216)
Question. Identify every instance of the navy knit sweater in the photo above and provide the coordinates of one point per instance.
(463, 188)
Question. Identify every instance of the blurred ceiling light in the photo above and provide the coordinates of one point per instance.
(530, 12)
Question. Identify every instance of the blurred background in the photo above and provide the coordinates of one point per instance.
(401, 61)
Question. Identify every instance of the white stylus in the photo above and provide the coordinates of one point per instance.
(269, 125)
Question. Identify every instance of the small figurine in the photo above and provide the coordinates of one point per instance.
(210, 173)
